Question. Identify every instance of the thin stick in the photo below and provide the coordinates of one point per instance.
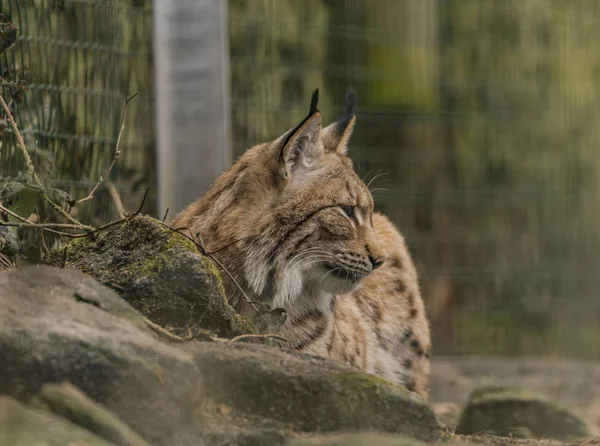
(165, 216)
(27, 224)
(6, 262)
(43, 225)
(29, 165)
(114, 194)
(214, 259)
(163, 332)
(116, 222)
(257, 336)
(117, 153)
(9, 212)
(20, 141)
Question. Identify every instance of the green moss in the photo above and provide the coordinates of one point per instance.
(150, 266)
(361, 382)
(502, 393)
(143, 258)
(77, 247)
(364, 389)
(210, 267)
(177, 240)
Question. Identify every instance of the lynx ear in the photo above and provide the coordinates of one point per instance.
(336, 136)
(301, 146)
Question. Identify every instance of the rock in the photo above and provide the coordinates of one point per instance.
(447, 413)
(308, 394)
(69, 402)
(60, 325)
(505, 411)
(357, 439)
(21, 425)
(159, 272)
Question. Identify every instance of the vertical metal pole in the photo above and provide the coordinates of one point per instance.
(192, 98)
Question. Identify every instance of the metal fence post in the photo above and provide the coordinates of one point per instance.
(192, 98)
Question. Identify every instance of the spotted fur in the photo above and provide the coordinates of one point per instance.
(294, 224)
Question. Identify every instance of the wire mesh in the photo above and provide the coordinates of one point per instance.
(479, 120)
(80, 60)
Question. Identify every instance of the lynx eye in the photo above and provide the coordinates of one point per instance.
(349, 211)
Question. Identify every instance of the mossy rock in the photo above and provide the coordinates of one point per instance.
(21, 425)
(506, 411)
(159, 272)
(308, 394)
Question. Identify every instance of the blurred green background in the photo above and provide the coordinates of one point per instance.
(480, 115)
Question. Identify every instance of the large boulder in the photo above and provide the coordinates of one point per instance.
(357, 439)
(308, 394)
(74, 348)
(21, 425)
(60, 325)
(159, 272)
(505, 411)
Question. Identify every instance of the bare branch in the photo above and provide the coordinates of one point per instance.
(117, 153)
(27, 224)
(116, 222)
(114, 194)
(29, 165)
(20, 141)
(162, 331)
(173, 337)
(44, 225)
(6, 262)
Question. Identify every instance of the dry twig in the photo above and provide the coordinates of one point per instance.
(116, 222)
(162, 331)
(29, 165)
(114, 194)
(117, 153)
(27, 224)
(171, 336)
(257, 336)
(5, 262)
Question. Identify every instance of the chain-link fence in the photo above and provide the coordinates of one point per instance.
(476, 118)
(67, 77)
(482, 118)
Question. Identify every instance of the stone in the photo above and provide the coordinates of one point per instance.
(506, 411)
(357, 439)
(21, 425)
(159, 272)
(304, 393)
(69, 402)
(60, 325)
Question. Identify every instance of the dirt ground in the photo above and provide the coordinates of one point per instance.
(574, 384)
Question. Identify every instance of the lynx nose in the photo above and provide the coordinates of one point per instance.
(376, 262)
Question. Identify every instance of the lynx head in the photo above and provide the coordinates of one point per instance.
(317, 236)
(293, 216)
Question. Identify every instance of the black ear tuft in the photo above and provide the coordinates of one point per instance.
(314, 101)
(350, 101)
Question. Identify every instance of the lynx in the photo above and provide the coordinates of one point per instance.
(294, 225)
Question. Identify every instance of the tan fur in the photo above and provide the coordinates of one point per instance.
(281, 221)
